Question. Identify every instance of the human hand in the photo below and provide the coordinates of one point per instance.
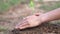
(30, 21)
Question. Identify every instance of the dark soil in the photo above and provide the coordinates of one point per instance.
(45, 28)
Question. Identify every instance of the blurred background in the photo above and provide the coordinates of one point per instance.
(13, 11)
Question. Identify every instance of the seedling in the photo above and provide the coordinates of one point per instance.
(32, 5)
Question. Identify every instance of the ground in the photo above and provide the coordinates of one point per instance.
(44, 28)
(16, 13)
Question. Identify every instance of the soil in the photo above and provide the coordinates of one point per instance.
(45, 28)
(17, 13)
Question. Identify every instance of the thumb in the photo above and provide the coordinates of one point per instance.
(38, 14)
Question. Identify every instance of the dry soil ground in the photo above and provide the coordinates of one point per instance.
(16, 14)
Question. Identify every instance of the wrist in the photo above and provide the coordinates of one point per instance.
(43, 18)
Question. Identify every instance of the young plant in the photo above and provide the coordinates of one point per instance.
(32, 5)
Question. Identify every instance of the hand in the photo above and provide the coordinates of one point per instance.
(30, 21)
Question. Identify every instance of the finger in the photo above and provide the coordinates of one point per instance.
(23, 25)
(19, 24)
(38, 14)
(26, 25)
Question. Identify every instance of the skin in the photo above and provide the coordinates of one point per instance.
(37, 19)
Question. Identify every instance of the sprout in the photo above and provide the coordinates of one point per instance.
(31, 4)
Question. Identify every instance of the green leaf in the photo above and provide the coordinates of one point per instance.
(31, 4)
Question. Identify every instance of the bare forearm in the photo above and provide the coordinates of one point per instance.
(51, 15)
